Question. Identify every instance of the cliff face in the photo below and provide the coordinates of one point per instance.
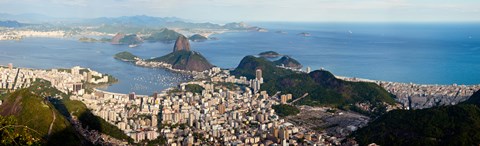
(181, 44)
(116, 39)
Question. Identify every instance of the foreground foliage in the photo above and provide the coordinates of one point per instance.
(445, 125)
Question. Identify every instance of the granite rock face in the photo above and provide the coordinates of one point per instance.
(181, 44)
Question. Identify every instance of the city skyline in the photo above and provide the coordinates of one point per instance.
(252, 10)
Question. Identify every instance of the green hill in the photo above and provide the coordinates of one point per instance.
(37, 113)
(322, 86)
(28, 106)
(444, 125)
(250, 64)
(125, 56)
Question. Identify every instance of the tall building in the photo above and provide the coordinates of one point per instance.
(131, 96)
(283, 133)
(10, 66)
(89, 77)
(283, 99)
(221, 109)
(309, 69)
(258, 75)
(77, 87)
(154, 120)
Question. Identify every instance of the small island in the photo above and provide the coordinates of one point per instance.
(93, 40)
(126, 56)
(305, 34)
(198, 38)
(269, 54)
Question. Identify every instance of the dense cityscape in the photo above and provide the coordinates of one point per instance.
(239, 73)
(221, 112)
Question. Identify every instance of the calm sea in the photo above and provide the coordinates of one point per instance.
(425, 53)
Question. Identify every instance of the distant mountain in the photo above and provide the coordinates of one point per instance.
(148, 21)
(322, 87)
(444, 125)
(31, 18)
(11, 24)
(236, 26)
(287, 61)
(165, 35)
(139, 20)
(183, 58)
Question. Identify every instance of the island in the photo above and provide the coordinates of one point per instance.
(269, 54)
(198, 38)
(126, 56)
(305, 34)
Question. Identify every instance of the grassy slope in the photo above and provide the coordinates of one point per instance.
(34, 112)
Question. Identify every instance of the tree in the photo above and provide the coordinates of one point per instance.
(13, 134)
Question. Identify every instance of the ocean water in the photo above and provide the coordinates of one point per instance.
(46, 53)
(424, 53)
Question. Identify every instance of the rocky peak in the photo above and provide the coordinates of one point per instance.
(181, 44)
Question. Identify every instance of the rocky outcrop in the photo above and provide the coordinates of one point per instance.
(181, 44)
(116, 39)
(183, 58)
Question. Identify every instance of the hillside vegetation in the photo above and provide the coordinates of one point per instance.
(37, 113)
(322, 86)
(444, 125)
(125, 56)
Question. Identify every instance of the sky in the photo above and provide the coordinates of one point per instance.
(257, 10)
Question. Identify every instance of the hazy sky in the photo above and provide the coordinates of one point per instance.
(257, 10)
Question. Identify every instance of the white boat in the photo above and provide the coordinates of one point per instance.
(132, 45)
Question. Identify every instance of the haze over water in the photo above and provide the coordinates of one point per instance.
(418, 53)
